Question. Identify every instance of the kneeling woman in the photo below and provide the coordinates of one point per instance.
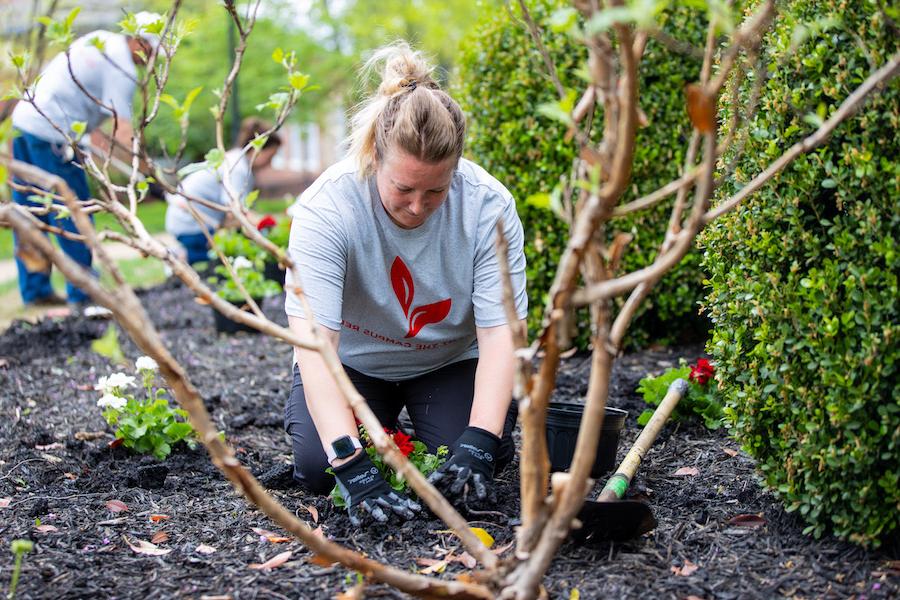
(395, 251)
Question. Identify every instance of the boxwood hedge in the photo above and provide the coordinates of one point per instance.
(803, 279)
(501, 80)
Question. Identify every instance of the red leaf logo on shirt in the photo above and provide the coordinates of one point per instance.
(430, 313)
(405, 290)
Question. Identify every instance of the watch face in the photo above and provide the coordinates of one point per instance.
(343, 446)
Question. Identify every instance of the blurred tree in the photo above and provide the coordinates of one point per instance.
(435, 26)
(204, 59)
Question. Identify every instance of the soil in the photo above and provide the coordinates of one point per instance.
(50, 473)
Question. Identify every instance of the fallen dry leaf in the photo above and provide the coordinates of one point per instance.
(50, 458)
(751, 521)
(46, 528)
(692, 597)
(116, 506)
(159, 537)
(53, 446)
(115, 443)
(357, 592)
(730, 452)
(318, 532)
(272, 537)
(467, 559)
(204, 549)
(465, 578)
(84, 387)
(4, 502)
(274, 562)
(158, 518)
(687, 471)
(486, 538)
(89, 436)
(432, 565)
(689, 568)
(501, 549)
(321, 561)
(71, 476)
(701, 108)
(313, 511)
(148, 548)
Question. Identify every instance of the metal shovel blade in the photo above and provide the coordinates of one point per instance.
(618, 521)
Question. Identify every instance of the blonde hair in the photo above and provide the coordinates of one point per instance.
(408, 112)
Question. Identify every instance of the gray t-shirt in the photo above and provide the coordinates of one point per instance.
(208, 184)
(109, 76)
(406, 301)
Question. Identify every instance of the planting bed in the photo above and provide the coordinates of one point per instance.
(48, 471)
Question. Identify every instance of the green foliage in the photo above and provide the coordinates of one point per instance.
(702, 399)
(19, 548)
(60, 32)
(107, 345)
(250, 276)
(199, 63)
(803, 279)
(233, 243)
(147, 425)
(414, 450)
(502, 78)
(280, 234)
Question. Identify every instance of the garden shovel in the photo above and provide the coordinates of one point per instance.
(609, 517)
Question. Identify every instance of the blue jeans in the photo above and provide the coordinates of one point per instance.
(196, 246)
(50, 157)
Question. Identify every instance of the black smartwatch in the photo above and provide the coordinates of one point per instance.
(342, 447)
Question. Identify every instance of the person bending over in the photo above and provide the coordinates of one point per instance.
(208, 184)
(394, 247)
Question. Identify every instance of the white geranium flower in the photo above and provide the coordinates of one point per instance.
(241, 262)
(145, 363)
(101, 384)
(108, 385)
(112, 401)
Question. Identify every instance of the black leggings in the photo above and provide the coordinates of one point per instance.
(438, 404)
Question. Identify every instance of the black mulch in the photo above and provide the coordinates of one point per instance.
(46, 397)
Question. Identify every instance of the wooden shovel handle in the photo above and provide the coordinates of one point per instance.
(617, 485)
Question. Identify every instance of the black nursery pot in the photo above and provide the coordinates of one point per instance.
(226, 325)
(271, 271)
(563, 419)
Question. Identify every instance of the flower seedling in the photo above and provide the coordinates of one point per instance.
(20, 548)
(414, 450)
(148, 424)
(701, 399)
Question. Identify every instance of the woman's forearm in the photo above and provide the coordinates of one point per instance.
(332, 417)
(493, 378)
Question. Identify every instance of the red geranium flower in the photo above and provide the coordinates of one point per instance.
(702, 371)
(266, 222)
(404, 443)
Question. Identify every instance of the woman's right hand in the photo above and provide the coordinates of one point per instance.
(367, 493)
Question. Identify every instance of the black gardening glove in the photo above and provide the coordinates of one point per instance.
(366, 492)
(471, 465)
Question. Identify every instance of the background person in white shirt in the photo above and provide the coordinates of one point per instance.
(110, 77)
(208, 184)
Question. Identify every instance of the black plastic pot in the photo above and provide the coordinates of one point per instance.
(563, 419)
(271, 271)
(226, 325)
